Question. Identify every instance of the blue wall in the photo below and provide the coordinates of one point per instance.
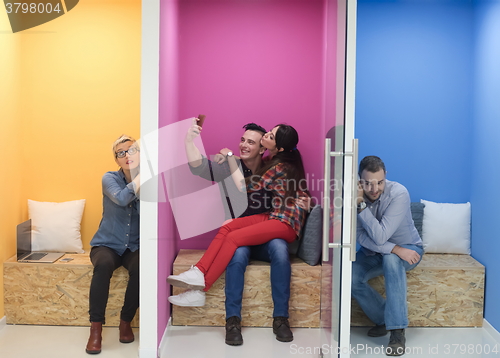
(413, 93)
(428, 103)
(486, 168)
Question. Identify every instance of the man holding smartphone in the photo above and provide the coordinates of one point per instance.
(274, 251)
(390, 246)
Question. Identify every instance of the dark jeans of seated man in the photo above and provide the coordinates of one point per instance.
(392, 310)
(275, 252)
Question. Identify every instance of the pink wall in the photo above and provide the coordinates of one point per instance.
(252, 61)
(238, 62)
(168, 92)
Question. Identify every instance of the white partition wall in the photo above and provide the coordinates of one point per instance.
(149, 208)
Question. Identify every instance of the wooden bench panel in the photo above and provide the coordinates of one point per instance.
(257, 301)
(444, 290)
(58, 293)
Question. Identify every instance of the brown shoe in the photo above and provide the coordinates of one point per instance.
(281, 328)
(95, 339)
(126, 334)
(233, 331)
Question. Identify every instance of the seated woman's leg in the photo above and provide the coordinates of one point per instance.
(254, 233)
(131, 303)
(105, 262)
(193, 278)
(216, 244)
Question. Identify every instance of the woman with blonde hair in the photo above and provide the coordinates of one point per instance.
(116, 242)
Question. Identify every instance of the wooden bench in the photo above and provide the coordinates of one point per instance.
(58, 293)
(444, 290)
(257, 310)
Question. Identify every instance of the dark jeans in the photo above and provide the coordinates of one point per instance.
(275, 252)
(106, 261)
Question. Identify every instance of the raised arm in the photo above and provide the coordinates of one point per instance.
(192, 152)
(120, 196)
(236, 174)
(379, 231)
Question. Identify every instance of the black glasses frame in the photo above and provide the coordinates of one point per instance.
(123, 153)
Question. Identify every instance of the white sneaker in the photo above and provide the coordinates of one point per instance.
(190, 298)
(193, 279)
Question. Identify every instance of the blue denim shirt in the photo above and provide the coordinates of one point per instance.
(119, 227)
(387, 222)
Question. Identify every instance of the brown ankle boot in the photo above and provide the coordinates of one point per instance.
(126, 334)
(94, 343)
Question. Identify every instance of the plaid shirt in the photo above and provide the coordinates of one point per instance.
(274, 179)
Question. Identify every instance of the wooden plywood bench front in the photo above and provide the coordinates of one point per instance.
(58, 293)
(444, 290)
(257, 310)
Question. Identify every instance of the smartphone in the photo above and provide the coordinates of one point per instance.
(201, 118)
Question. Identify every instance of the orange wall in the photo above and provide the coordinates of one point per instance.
(78, 81)
(11, 147)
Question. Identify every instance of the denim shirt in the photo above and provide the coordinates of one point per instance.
(119, 227)
(387, 222)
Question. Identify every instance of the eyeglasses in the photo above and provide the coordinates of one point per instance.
(123, 153)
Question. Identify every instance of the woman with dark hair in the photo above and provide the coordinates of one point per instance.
(284, 175)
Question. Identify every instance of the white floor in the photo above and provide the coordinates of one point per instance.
(20, 341)
(26, 341)
(204, 342)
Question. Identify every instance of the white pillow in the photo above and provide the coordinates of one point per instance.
(446, 228)
(56, 226)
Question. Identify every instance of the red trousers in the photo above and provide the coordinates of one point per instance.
(246, 231)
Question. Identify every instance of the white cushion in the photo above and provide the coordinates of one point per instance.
(56, 226)
(446, 228)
